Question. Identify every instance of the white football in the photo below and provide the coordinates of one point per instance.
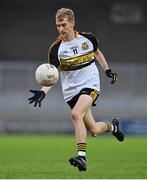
(46, 74)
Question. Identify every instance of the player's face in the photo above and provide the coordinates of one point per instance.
(65, 27)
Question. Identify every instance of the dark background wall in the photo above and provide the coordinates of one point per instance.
(27, 28)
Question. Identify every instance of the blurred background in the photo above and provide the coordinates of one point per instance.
(27, 29)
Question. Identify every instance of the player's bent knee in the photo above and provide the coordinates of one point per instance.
(95, 132)
(76, 116)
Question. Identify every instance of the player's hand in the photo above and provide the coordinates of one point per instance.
(37, 98)
(112, 75)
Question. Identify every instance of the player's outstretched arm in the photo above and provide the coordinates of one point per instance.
(102, 61)
(38, 96)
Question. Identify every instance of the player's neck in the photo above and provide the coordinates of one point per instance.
(71, 36)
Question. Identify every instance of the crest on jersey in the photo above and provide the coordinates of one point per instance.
(85, 46)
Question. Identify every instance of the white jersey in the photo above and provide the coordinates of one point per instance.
(75, 59)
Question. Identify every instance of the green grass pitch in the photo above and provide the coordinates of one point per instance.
(46, 157)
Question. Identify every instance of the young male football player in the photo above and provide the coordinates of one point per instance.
(74, 54)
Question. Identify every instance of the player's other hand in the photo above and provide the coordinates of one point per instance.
(37, 98)
(112, 75)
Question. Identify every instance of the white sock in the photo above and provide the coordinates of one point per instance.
(112, 127)
(81, 153)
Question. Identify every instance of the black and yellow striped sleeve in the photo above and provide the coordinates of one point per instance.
(53, 53)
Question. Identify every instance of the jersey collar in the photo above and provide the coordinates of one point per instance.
(76, 36)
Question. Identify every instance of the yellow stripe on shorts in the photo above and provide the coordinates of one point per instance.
(94, 94)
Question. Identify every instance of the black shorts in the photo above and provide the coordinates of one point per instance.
(91, 92)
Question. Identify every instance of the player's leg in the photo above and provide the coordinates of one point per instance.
(101, 127)
(92, 126)
(78, 112)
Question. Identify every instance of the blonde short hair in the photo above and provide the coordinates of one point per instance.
(65, 13)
